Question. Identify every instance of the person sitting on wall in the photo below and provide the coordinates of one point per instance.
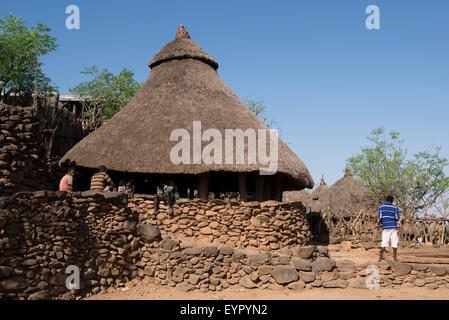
(166, 191)
(122, 185)
(130, 188)
(101, 180)
(66, 183)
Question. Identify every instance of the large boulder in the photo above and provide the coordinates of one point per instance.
(307, 277)
(401, 269)
(149, 232)
(259, 258)
(304, 252)
(339, 283)
(40, 295)
(438, 270)
(247, 283)
(284, 274)
(323, 264)
(301, 264)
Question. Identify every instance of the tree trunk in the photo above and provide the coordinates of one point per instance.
(35, 84)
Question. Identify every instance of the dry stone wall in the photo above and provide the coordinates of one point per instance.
(189, 266)
(267, 225)
(22, 167)
(42, 233)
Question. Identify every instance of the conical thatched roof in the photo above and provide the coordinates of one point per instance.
(183, 87)
(346, 196)
(318, 192)
(297, 196)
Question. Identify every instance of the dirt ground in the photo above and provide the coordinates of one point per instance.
(145, 291)
(151, 292)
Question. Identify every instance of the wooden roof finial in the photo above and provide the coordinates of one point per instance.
(182, 33)
(323, 183)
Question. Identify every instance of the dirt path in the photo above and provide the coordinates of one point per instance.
(152, 292)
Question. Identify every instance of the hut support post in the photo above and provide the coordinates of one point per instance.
(260, 180)
(277, 190)
(203, 186)
(242, 187)
(267, 194)
(182, 191)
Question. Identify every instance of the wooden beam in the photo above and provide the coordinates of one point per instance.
(278, 187)
(203, 186)
(260, 180)
(242, 187)
(267, 188)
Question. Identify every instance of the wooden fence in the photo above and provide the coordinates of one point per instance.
(365, 226)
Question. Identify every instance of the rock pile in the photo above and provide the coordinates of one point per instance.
(267, 225)
(43, 233)
(192, 266)
(22, 167)
(189, 266)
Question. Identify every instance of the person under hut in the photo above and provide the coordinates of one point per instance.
(101, 181)
(66, 183)
(165, 191)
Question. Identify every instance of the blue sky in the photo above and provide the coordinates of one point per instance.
(326, 79)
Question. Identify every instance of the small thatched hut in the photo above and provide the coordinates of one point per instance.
(182, 88)
(347, 196)
(318, 192)
(298, 196)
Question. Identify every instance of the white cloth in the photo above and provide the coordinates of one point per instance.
(390, 235)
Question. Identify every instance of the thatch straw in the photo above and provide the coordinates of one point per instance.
(319, 192)
(346, 196)
(183, 87)
(298, 196)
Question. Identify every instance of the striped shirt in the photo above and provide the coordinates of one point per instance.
(99, 181)
(389, 213)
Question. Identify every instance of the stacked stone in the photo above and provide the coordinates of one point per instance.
(197, 266)
(22, 167)
(267, 225)
(406, 275)
(213, 268)
(43, 233)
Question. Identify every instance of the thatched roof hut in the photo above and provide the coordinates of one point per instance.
(322, 188)
(298, 196)
(183, 87)
(347, 196)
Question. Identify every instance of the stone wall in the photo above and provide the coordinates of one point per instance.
(42, 233)
(268, 225)
(22, 167)
(114, 246)
(191, 266)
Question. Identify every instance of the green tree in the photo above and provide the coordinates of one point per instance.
(260, 110)
(384, 168)
(105, 94)
(20, 49)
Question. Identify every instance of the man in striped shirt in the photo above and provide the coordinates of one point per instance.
(389, 214)
(101, 180)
